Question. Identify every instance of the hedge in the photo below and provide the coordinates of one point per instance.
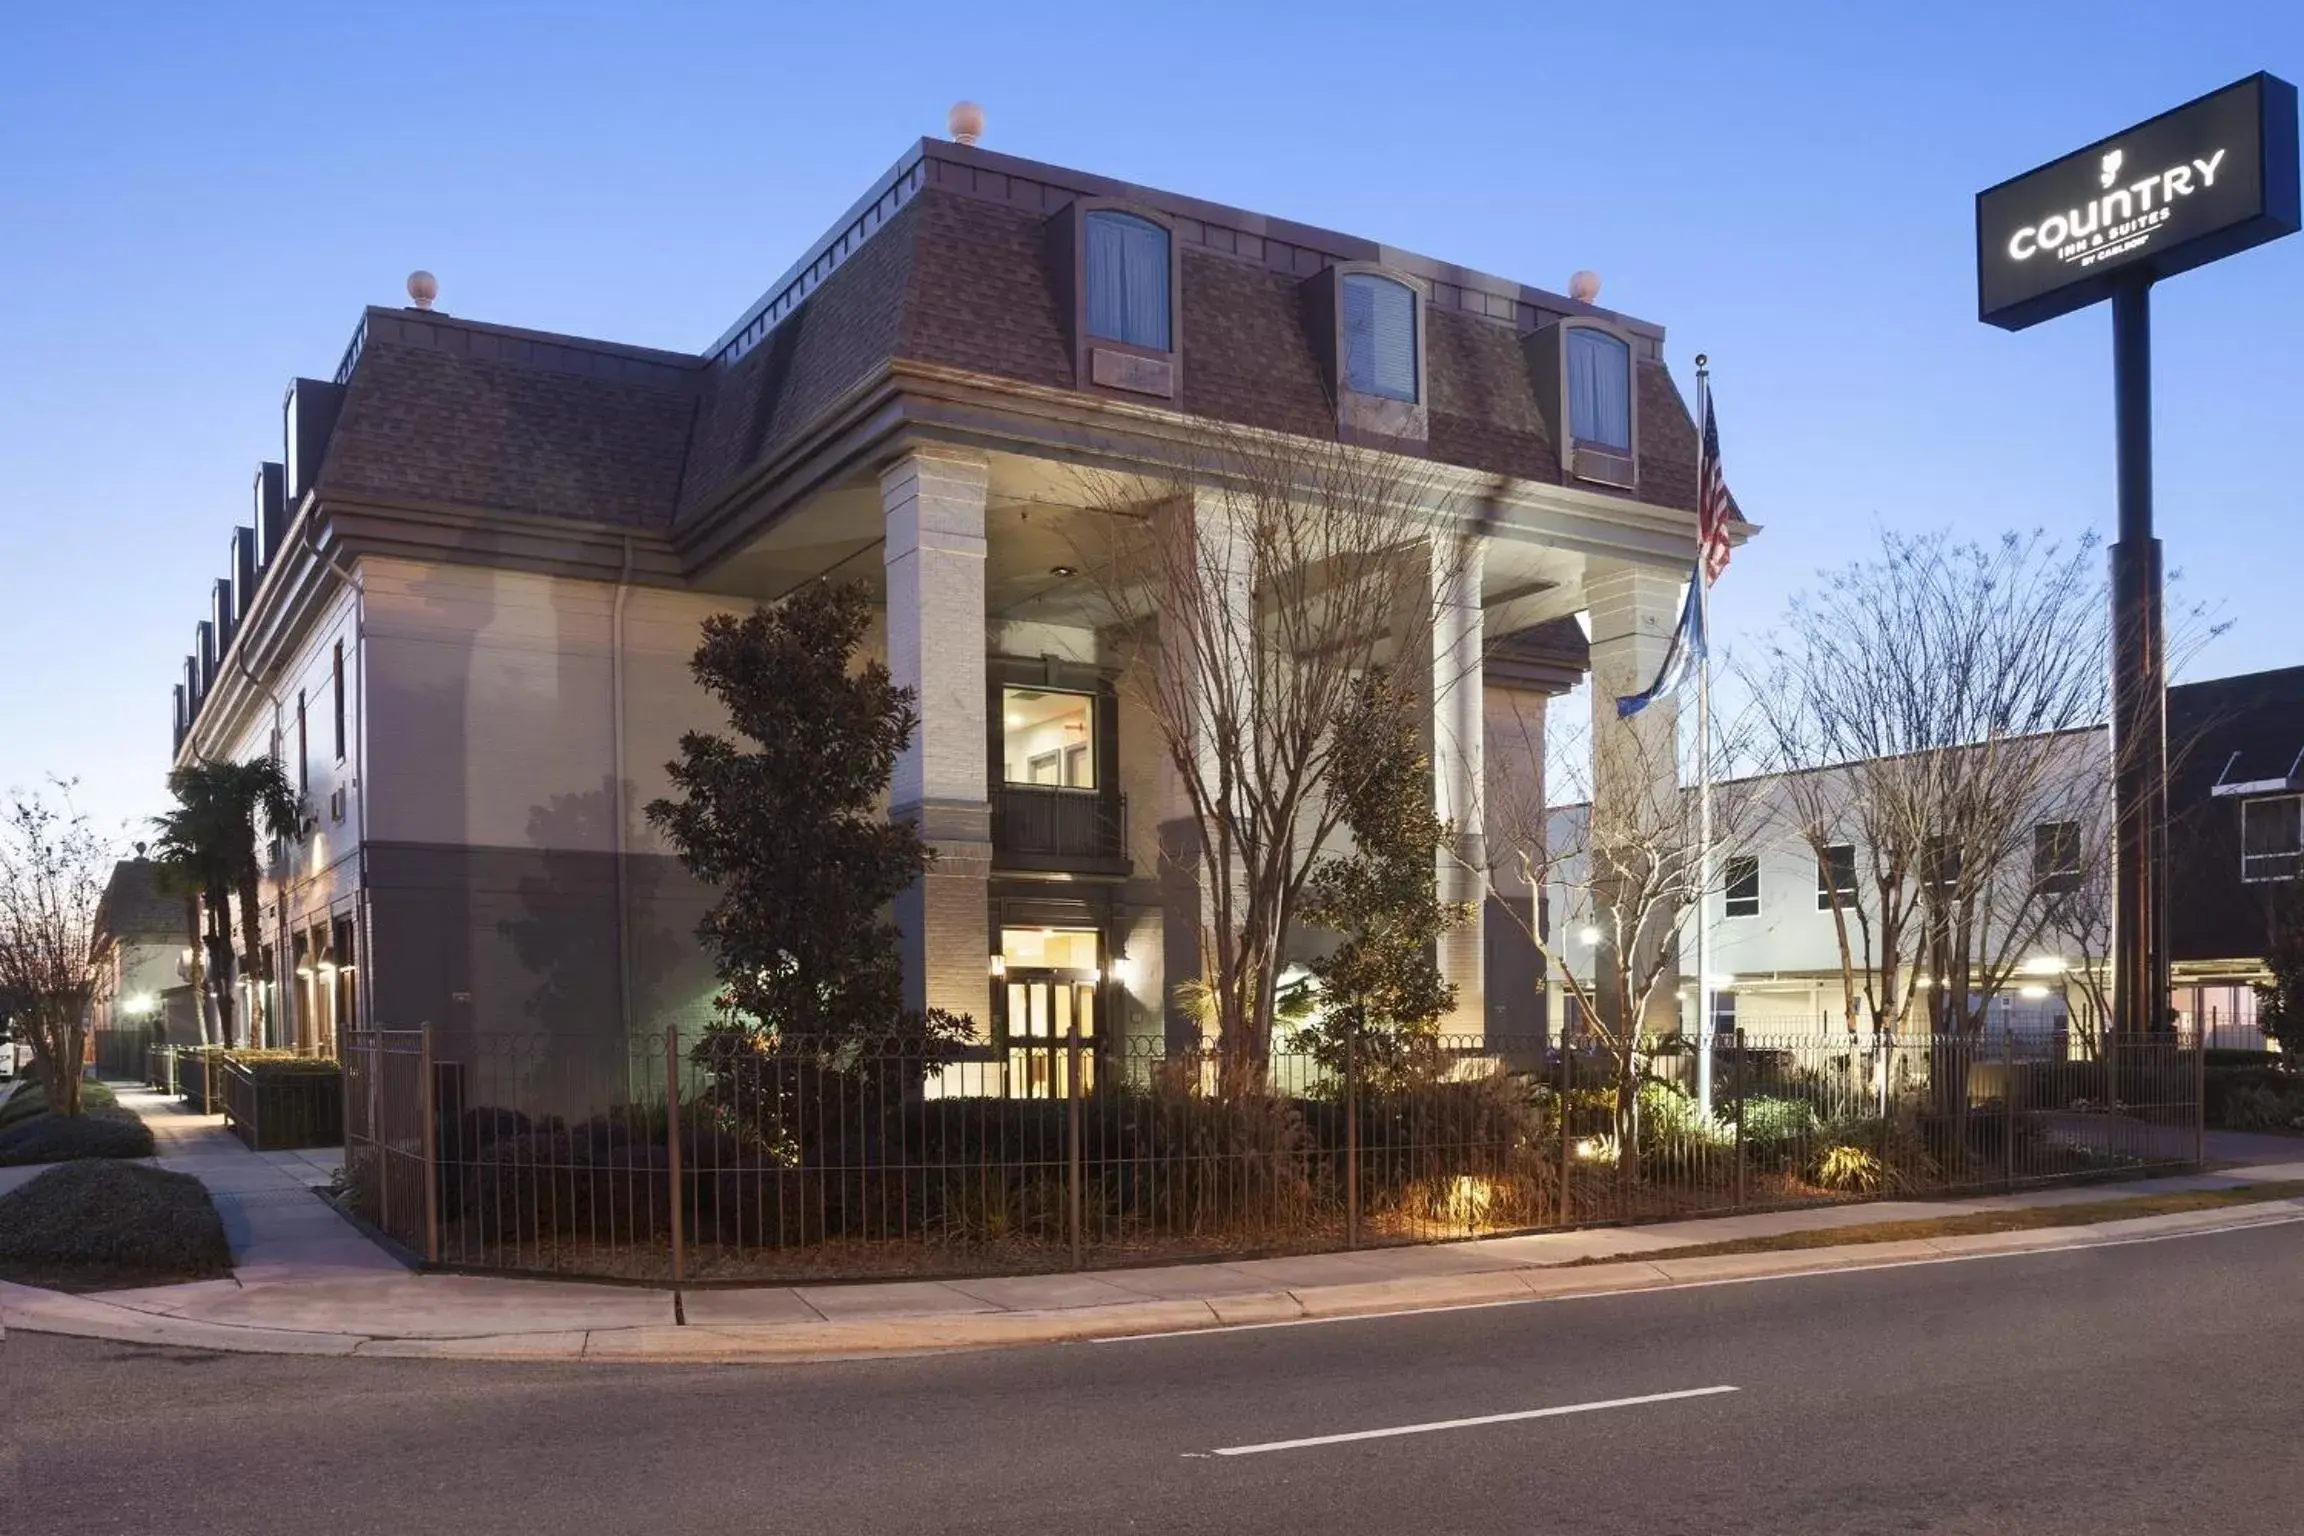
(61, 1138)
(97, 1225)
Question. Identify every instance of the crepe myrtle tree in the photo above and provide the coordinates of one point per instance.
(783, 815)
(1251, 589)
(1604, 890)
(53, 866)
(1935, 719)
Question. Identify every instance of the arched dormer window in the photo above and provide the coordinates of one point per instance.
(1379, 337)
(1124, 268)
(1599, 381)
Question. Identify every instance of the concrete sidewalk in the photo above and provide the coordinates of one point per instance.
(280, 1230)
(307, 1282)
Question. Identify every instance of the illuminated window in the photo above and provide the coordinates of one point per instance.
(1048, 738)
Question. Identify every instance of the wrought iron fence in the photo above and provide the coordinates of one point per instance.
(690, 1159)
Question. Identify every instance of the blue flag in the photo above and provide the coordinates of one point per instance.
(1680, 659)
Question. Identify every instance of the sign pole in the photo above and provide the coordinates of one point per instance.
(2139, 686)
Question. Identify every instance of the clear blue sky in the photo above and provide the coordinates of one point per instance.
(195, 202)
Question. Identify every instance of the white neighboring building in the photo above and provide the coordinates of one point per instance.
(2236, 849)
(1775, 949)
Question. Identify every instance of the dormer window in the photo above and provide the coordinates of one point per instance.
(1379, 341)
(1599, 390)
(1125, 270)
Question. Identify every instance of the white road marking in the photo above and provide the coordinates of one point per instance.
(1220, 1329)
(1472, 1423)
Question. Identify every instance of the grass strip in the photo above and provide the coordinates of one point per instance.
(2024, 1218)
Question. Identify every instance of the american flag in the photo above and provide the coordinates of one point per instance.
(1715, 508)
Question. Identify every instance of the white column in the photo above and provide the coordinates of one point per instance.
(933, 499)
(1455, 733)
(1635, 770)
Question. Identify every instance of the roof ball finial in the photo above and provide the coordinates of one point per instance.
(965, 122)
(1584, 287)
(423, 288)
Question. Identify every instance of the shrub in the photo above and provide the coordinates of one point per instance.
(23, 1105)
(1855, 1170)
(524, 1188)
(480, 1128)
(61, 1138)
(2256, 1107)
(2221, 1083)
(88, 1225)
(32, 1099)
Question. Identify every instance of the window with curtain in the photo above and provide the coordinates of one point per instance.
(1379, 337)
(1599, 390)
(1126, 270)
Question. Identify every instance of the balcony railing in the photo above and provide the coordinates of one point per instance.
(1043, 822)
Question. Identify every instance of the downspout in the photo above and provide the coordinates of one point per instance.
(619, 792)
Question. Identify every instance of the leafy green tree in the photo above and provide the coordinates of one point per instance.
(1381, 987)
(2280, 1001)
(209, 838)
(786, 821)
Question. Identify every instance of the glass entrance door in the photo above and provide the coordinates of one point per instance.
(1043, 1014)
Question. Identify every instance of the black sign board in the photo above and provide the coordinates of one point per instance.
(2190, 186)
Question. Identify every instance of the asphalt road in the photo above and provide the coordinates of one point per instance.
(2152, 1387)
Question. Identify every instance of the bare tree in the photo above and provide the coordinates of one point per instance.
(1617, 876)
(52, 872)
(1253, 589)
(1923, 712)
(1939, 710)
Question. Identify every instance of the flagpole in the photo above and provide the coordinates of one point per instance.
(1704, 1030)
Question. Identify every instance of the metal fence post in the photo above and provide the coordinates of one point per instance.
(379, 1135)
(1072, 1151)
(1738, 1038)
(1351, 1139)
(2199, 1103)
(672, 1173)
(431, 1143)
(2008, 1104)
(1567, 1132)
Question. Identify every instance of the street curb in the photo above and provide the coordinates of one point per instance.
(36, 1311)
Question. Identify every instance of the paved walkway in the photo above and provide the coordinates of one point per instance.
(306, 1281)
(280, 1231)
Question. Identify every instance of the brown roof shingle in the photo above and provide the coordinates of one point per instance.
(419, 424)
(950, 279)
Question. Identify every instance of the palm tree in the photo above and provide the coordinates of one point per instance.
(194, 837)
(177, 875)
(210, 838)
